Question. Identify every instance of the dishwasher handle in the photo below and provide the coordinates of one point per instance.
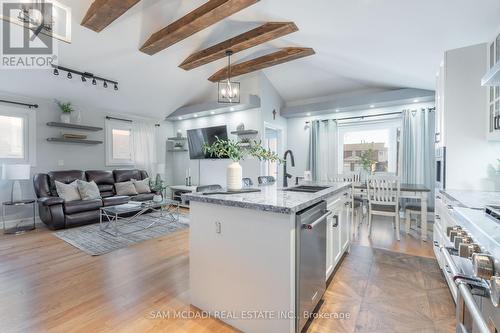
(310, 226)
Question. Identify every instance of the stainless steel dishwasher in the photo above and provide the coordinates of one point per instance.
(310, 260)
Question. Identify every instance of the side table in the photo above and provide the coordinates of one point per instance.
(18, 229)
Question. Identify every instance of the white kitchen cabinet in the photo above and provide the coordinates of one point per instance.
(337, 234)
(493, 119)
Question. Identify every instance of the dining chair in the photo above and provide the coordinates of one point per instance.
(415, 209)
(355, 204)
(383, 199)
(266, 180)
(247, 182)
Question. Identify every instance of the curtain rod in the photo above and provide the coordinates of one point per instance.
(372, 115)
(19, 103)
(127, 120)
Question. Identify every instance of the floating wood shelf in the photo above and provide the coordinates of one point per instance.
(177, 139)
(63, 140)
(245, 132)
(75, 126)
(176, 150)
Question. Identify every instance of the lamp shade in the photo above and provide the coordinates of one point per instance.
(16, 171)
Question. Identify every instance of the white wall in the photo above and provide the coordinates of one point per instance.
(298, 142)
(471, 160)
(60, 156)
(206, 172)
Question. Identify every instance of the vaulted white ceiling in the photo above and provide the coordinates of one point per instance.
(360, 44)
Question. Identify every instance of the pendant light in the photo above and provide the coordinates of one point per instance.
(229, 92)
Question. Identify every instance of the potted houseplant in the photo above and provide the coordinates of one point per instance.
(66, 110)
(157, 186)
(237, 151)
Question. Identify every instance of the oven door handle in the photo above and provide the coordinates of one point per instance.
(471, 306)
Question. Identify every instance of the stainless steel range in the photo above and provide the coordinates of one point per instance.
(473, 275)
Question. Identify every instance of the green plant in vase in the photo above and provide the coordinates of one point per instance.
(238, 151)
(66, 110)
(157, 186)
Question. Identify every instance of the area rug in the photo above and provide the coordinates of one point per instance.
(91, 240)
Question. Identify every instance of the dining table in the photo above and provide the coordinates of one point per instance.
(408, 191)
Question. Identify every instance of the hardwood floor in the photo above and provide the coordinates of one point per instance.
(49, 286)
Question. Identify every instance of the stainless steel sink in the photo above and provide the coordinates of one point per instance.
(306, 188)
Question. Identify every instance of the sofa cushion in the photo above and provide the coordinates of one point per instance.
(106, 188)
(107, 194)
(101, 177)
(125, 188)
(79, 206)
(143, 197)
(142, 186)
(65, 177)
(77, 219)
(69, 192)
(115, 200)
(127, 175)
(88, 190)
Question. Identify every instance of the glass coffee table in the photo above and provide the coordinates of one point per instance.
(129, 212)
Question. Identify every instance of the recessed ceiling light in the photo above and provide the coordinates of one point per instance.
(337, 110)
(180, 118)
(309, 113)
(372, 106)
(196, 116)
(231, 109)
(415, 101)
(212, 112)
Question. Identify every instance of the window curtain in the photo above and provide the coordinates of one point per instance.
(323, 142)
(417, 165)
(144, 138)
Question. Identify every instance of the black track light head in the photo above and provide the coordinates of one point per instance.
(84, 79)
(116, 86)
(94, 82)
(70, 76)
(56, 71)
(105, 84)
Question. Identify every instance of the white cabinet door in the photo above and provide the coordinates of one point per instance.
(345, 229)
(335, 244)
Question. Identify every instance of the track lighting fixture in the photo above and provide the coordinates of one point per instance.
(85, 76)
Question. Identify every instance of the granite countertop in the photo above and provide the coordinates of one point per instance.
(484, 229)
(272, 198)
(473, 199)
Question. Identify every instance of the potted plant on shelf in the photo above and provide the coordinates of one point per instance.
(66, 110)
(237, 151)
(157, 186)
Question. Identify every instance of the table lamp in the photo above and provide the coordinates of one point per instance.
(16, 172)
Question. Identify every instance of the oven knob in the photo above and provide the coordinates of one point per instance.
(466, 250)
(459, 240)
(483, 265)
(450, 229)
(458, 233)
(495, 290)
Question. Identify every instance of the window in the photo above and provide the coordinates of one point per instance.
(119, 143)
(17, 136)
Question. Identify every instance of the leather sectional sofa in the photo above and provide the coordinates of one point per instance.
(58, 214)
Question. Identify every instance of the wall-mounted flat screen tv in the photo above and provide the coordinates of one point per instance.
(197, 138)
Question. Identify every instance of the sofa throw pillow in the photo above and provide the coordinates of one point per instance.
(125, 188)
(88, 190)
(142, 186)
(68, 192)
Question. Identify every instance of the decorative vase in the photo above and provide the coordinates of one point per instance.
(78, 117)
(234, 177)
(157, 198)
(65, 118)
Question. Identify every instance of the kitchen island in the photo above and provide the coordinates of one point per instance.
(244, 255)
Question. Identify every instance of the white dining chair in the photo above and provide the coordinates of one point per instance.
(383, 199)
(354, 204)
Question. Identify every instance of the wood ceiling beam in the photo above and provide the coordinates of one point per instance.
(202, 17)
(103, 12)
(246, 40)
(284, 55)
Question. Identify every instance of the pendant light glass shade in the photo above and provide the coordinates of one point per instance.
(229, 91)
